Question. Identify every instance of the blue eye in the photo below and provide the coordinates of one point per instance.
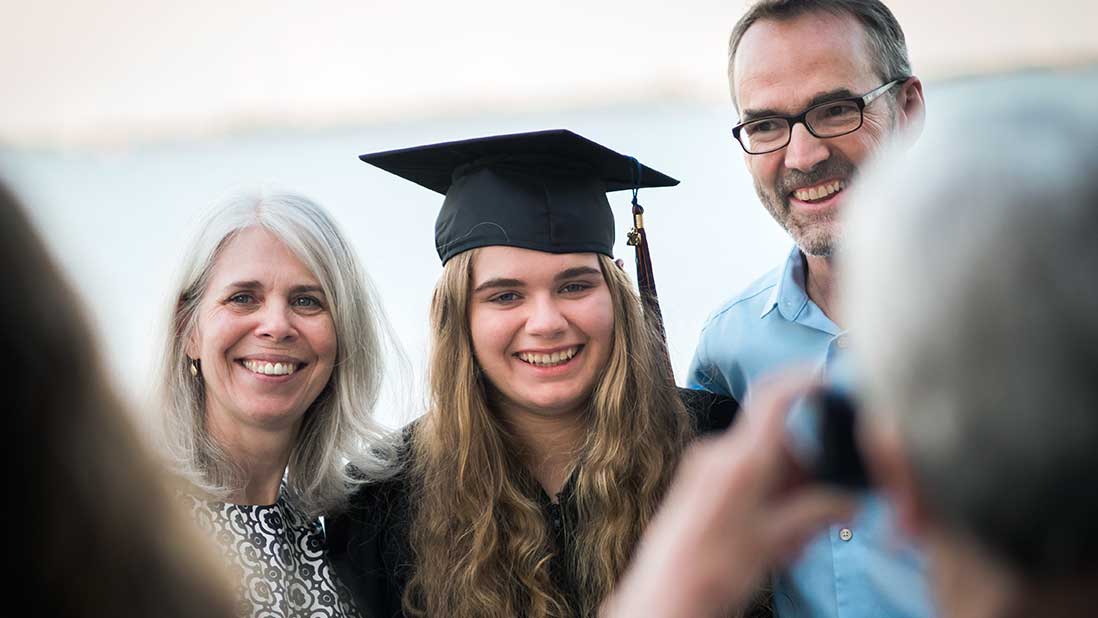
(242, 299)
(575, 287)
(504, 298)
(307, 304)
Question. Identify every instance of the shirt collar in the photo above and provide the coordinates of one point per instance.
(789, 296)
(566, 495)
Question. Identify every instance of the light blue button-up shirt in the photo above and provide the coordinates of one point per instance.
(857, 569)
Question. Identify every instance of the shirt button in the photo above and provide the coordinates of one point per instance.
(842, 342)
(846, 534)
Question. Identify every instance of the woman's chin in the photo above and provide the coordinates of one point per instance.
(272, 416)
(557, 402)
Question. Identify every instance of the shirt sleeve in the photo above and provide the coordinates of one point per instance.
(705, 373)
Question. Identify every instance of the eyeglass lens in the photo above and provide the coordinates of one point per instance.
(827, 120)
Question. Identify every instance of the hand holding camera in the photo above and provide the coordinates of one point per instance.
(741, 505)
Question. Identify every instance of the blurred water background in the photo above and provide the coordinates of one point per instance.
(121, 144)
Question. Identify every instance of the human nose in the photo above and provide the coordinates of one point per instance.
(275, 323)
(804, 151)
(546, 318)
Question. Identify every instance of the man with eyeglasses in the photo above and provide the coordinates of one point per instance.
(819, 86)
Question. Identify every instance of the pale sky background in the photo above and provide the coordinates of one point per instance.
(107, 71)
(121, 122)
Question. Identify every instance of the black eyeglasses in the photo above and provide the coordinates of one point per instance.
(830, 119)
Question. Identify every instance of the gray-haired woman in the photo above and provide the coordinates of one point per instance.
(272, 367)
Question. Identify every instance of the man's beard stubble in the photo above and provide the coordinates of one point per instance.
(816, 235)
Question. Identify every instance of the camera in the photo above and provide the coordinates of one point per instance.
(821, 431)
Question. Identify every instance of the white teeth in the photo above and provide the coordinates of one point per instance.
(270, 369)
(548, 360)
(818, 193)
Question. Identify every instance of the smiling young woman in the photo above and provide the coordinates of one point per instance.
(271, 371)
(541, 327)
(509, 436)
(554, 424)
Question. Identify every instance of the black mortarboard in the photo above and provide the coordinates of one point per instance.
(544, 190)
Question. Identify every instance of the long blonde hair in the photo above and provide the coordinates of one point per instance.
(481, 544)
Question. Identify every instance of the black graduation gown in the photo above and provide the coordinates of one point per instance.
(368, 543)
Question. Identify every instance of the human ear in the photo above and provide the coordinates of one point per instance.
(192, 348)
(910, 108)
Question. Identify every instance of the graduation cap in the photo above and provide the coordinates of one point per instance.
(544, 190)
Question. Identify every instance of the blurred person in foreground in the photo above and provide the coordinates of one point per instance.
(272, 368)
(820, 86)
(975, 294)
(107, 537)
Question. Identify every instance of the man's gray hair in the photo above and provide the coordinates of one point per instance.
(339, 427)
(972, 280)
(883, 34)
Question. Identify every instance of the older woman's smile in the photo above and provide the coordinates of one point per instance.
(265, 338)
(280, 366)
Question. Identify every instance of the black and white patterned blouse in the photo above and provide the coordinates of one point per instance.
(279, 558)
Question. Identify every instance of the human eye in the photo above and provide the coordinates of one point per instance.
(241, 298)
(835, 115)
(505, 298)
(765, 133)
(308, 303)
(576, 287)
(761, 127)
(843, 109)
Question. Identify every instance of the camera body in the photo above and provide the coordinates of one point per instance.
(822, 437)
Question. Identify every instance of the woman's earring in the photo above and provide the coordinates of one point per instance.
(194, 368)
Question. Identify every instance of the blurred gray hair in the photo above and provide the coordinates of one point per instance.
(883, 34)
(339, 427)
(972, 279)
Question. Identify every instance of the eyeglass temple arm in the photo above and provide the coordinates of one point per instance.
(874, 94)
